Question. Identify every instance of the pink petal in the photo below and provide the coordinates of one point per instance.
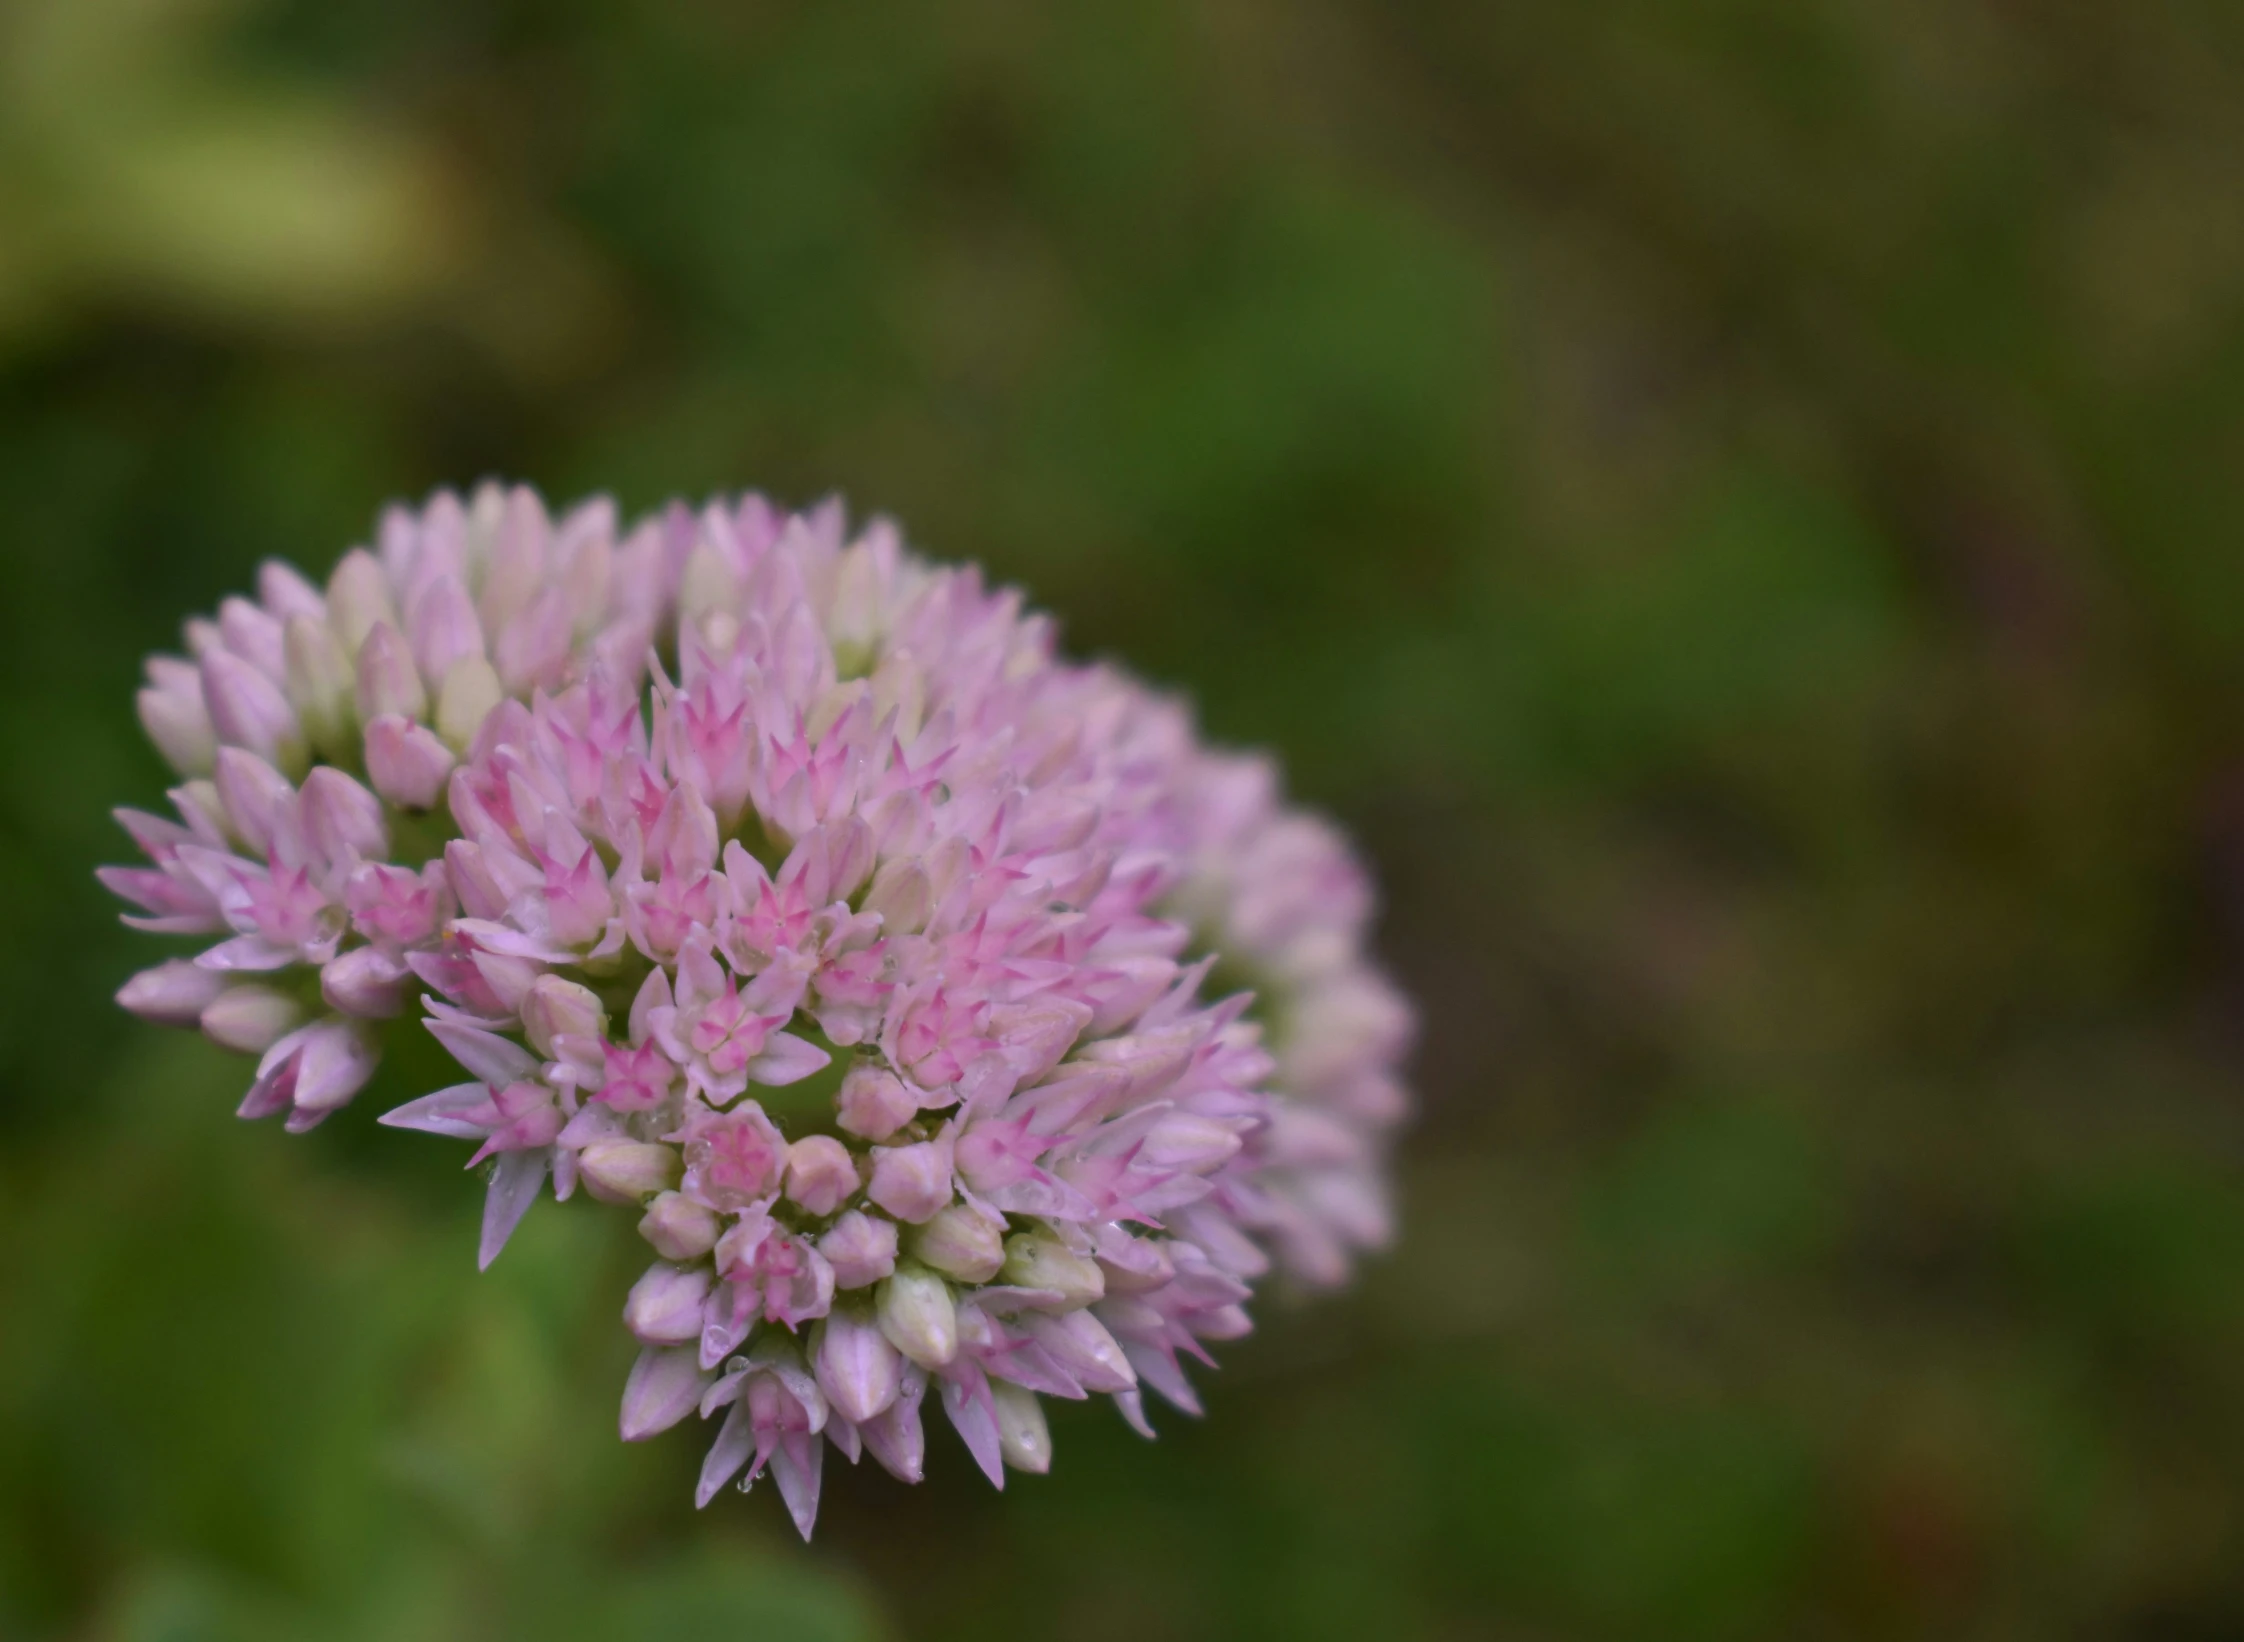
(515, 1180)
(494, 1059)
(787, 1059)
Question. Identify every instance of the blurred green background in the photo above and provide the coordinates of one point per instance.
(1736, 501)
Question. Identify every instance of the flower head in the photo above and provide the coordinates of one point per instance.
(791, 891)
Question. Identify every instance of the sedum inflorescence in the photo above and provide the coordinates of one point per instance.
(787, 890)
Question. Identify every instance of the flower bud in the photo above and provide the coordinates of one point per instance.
(533, 647)
(901, 895)
(1187, 1142)
(1080, 1343)
(916, 1313)
(336, 1060)
(630, 1171)
(471, 690)
(1223, 1323)
(557, 1008)
(443, 628)
(406, 762)
(861, 1248)
(172, 994)
(282, 589)
(874, 1104)
(961, 1242)
(664, 1306)
(1022, 1436)
(1034, 1260)
(509, 978)
(366, 982)
(254, 796)
(198, 802)
(586, 570)
(478, 887)
(248, 710)
(821, 1175)
(677, 1226)
(1133, 1265)
(900, 687)
(857, 1368)
(253, 633)
(342, 819)
(358, 597)
(179, 724)
(175, 675)
(517, 567)
(709, 584)
(662, 1390)
(321, 684)
(388, 682)
(912, 1182)
(250, 1019)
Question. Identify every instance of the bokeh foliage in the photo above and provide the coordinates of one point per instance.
(1734, 500)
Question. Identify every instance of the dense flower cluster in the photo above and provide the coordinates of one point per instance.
(785, 888)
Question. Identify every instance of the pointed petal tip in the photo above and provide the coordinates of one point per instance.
(514, 1187)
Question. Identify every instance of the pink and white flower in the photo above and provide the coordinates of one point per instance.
(792, 891)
